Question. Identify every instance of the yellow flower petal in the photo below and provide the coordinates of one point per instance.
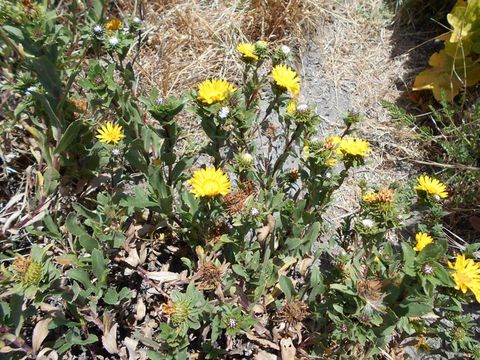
(431, 186)
(286, 79)
(110, 133)
(209, 182)
(423, 239)
(213, 91)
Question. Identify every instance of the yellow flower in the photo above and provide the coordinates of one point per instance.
(247, 50)
(354, 147)
(370, 197)
(209, 182)
(331, 162)
(291, 107)
(213, 91)
(306, 151)
(113, 25)
(110, 133)
(423, 239)
(466, 275)
(431, 186)
(286, 79)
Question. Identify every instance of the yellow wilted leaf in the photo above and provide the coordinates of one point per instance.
(447, 75)
(465, 22)
(464, 19)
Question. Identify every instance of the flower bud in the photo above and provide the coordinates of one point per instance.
(285, 50)
(244, 160)
(368, 223)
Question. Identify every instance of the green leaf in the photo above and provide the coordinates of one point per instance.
(98, 264)
(415, 306)
(287, 287)
(442, 274)
(111, 296)
(88, 243)
(81, 276)
(48, 75)
(409, 259)
(70, 136)
(239, 270)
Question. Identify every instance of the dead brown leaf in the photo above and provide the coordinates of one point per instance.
(40, 332)
(109, 340)
(288, 350)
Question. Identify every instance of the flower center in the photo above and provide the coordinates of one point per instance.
(463, 277)
(210, 186)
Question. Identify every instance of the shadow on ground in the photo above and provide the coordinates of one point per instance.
(417, 24)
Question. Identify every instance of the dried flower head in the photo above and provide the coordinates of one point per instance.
(271, 130)
(113, 24)
(285, 50)
(168, 309)
(209, 275)
(293, 175)
(385, 195)
(370, 290)
(236, 200)
(293, 313)
(20, 264)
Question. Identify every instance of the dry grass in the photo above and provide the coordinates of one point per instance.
(190, 40)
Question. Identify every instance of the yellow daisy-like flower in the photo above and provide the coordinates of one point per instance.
(291, 107)
(213, 91)
(423, 239)
(466, 275)
(286, 79)
(209, 182)
(248, 51)
(370, 197)
(113, 24)
(354, 147)
(431, 186)
(110, 133)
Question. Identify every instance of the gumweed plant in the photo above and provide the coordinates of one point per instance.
(143, 248)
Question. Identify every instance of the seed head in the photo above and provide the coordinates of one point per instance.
(368, 223)
(113, 41)
(223, 113)
(427, 269)
(285, 50)
(98, 29)
(232, 323)
(302, 108)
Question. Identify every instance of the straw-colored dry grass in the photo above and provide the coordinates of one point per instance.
(190, 40)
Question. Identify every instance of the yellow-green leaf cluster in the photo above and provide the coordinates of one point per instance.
(456, 66)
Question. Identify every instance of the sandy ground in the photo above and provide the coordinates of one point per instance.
(349, 67)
